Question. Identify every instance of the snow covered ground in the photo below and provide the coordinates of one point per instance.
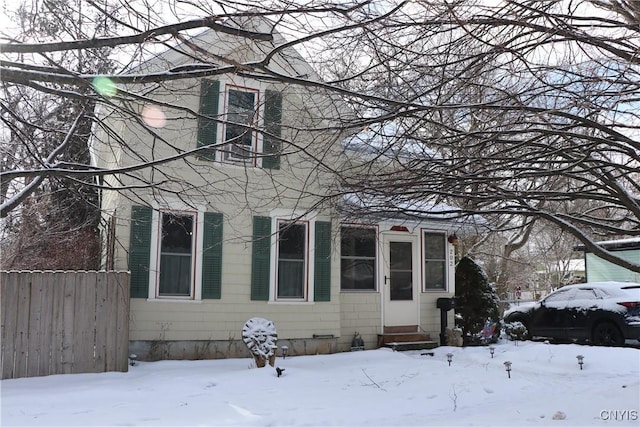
(375, 387)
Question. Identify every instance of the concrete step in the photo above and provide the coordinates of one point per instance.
(406, 329)
(412, 345)
(402, 337)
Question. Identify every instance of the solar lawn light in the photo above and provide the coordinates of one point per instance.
(284, 351)
(580, 360)
(492, 350)
(507, 366)
(449, 358)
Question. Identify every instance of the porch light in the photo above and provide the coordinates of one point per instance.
(449, 358)
(284, 351)
(453, 239)
(132, 359)
(580, 360)
(507, 366)
(492, 350)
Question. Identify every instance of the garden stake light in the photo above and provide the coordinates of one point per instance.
(507, 366)
(284, 351)
(492, 350)
(449, 358)
(132, 359)
(580, 360)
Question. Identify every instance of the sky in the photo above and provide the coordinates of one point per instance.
(373, 387)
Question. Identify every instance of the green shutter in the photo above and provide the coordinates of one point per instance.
(272, 124)
(140, 250)
(322, 269)
(260, 274)
(212, 256)
(207, 128)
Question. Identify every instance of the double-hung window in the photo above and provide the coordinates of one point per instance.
(435, 260)
(357, 259)
(176, 261)
(240, 124)
(175, 254)
(241, 119)
(292, 260)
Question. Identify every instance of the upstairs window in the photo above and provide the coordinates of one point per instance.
(240, 125)
(241, 119)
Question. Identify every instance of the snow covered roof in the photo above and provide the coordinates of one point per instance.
(380, 208)
(389, 139)
(614, 245)
(203, 48)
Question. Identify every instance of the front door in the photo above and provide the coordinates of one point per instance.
(400, 281)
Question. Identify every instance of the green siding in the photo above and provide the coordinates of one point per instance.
(322, 281)
(600, 270)
(212, 256)
(140, 250)
(261, 253)
(272, 124)
(207, 128)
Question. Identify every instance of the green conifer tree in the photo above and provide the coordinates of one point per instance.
(476, 301)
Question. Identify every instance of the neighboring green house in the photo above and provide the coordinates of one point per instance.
(598, 269)
(249, 233)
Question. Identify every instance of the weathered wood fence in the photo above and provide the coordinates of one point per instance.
(60, 322)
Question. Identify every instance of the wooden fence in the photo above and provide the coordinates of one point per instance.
(60, 322)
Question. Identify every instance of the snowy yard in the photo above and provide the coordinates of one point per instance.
(376, 387)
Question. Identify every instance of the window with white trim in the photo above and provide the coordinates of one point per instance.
(175, 254)
(291, 258)
(239, 129)
(292, 255)
(435, 260)
(358, 258)
(240, 124)
(175, 263)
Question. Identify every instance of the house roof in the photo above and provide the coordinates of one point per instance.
(389, 139)
(206, 48)
(614, 245)
(378, 208)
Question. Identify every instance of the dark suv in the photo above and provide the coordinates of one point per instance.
(603, 313)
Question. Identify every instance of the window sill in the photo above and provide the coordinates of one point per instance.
(292, 302)
(179, 300)
(234, 163)
(359, 291)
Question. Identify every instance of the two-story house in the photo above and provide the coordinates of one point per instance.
(245, 227)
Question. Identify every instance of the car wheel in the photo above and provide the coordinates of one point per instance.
(606, 333)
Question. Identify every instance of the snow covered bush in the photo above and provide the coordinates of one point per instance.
(516, 331)
(476, 302)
